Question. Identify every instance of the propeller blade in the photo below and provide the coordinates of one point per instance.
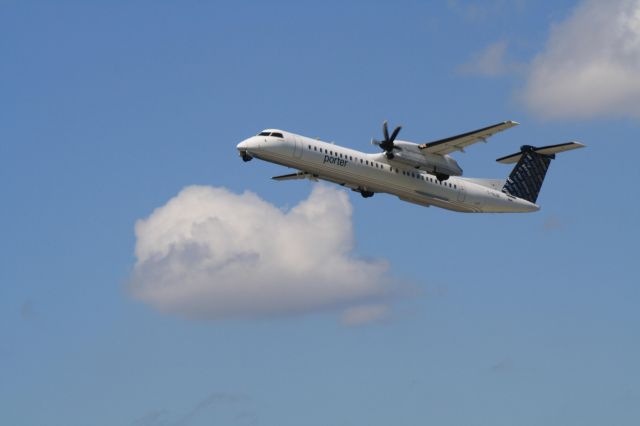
(387, 144)
(385, 130)
(395, 133)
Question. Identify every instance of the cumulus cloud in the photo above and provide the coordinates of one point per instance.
(552, 223)
(213, 254)
(26, 310)
(503, 366)
(489, 62)
(590, 65)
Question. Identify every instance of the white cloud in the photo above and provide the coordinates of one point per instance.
(209, 253)
(489, 62)
(590, 65)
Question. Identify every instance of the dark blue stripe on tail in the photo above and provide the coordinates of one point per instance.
(527, 176)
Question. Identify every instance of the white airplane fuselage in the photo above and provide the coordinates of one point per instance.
(373, 173)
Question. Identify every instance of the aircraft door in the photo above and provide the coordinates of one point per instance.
(461, 194)
(298, 147)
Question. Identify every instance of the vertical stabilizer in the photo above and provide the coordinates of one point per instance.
(527, 176)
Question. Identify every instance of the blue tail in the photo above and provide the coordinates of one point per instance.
(527, 176)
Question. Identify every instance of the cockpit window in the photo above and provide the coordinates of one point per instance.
(274, 134)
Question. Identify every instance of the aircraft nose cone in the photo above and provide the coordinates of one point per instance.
(249, 144)
(243, 148)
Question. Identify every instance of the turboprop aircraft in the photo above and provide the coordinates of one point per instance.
(423, 174)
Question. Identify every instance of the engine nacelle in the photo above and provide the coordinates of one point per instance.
(411, 155)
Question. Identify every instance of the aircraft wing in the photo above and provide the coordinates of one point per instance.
(459, 142)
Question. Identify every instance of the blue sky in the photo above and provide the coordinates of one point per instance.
(112, 108)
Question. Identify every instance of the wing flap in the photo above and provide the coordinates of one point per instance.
(459, 142)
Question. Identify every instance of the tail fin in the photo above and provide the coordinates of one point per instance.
(527, 176)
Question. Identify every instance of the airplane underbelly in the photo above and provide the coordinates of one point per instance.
(356, 177)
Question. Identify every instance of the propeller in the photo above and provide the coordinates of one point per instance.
(387, 144)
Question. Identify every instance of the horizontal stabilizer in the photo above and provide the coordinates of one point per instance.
(545, 150)
(528, 174)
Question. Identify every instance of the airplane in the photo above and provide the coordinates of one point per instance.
(423, 174)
